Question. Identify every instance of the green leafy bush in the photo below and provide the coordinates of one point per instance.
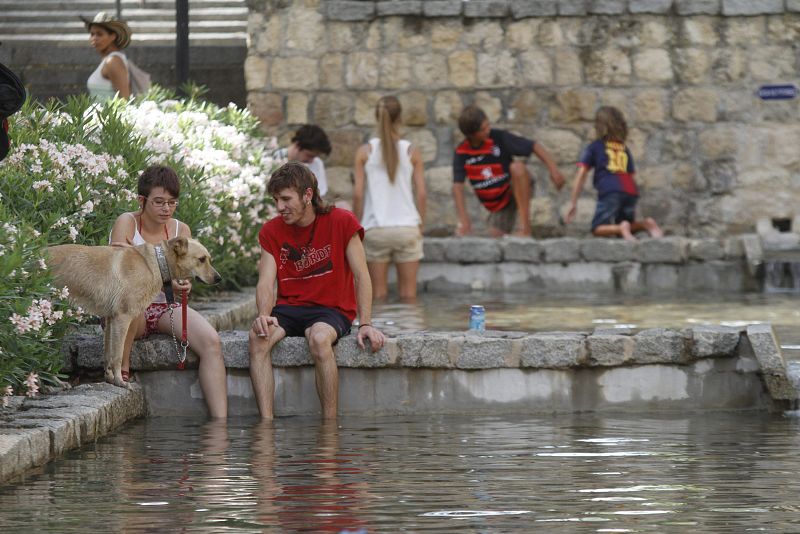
(73, 169)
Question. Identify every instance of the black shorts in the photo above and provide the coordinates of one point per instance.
(296, 319)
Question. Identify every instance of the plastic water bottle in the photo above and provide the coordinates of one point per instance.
(477, 318)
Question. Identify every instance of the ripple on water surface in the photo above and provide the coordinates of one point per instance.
(717, 472)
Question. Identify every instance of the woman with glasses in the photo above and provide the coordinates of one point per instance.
(159, 188)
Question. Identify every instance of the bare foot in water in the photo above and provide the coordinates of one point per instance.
(625, 230)
(653, 229)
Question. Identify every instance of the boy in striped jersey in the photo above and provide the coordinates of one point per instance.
(502, 185)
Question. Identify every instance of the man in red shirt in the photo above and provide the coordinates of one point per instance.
(315, 254)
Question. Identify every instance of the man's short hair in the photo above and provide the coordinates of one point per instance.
(470, 120)
(312, 137)
(159, 176)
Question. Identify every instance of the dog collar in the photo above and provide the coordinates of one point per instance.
(166, 277)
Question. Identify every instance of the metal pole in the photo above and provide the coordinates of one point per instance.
(119, 9)
(181, 42)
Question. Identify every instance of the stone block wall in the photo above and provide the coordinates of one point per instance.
(671, 265)
(712, 157)
(654, 370)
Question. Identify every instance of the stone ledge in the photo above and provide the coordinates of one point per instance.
(569, 265)
(492, 372)
(469, 350)
(40, 429)
(673, 250)
(365, 10)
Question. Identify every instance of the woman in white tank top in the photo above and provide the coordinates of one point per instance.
(389, 177)
(108, 36)
(158, 190)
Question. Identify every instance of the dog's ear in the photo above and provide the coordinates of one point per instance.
(179, 245)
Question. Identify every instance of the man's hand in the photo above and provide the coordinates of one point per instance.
(262, 323)
(463, 229)
(557, 178)
(376, 338)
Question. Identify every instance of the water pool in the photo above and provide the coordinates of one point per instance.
(541, 313)
(589, 473)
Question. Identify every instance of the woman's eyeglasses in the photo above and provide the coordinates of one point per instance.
(160, 202)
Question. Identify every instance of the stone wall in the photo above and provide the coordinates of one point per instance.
(712, 157)
(671, 265)
(701, 368)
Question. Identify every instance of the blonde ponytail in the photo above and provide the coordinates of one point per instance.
(387, 112)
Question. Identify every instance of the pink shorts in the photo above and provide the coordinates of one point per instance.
(153, 314)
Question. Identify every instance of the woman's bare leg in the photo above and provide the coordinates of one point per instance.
(407, 280)
(379, 275)
(204, 341)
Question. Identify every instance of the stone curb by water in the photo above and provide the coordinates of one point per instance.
(490, 350)
(34, 431)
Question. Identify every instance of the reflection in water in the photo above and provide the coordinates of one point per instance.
(709, 473)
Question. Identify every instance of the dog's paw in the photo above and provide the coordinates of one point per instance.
(109, 376)
(118, 381)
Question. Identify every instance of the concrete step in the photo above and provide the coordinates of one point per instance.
(143, 39)
(109, 6)
(138, 28)
(130, 16)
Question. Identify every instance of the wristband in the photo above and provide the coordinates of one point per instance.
(365, 324)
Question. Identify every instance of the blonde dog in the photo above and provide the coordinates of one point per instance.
(118, 283)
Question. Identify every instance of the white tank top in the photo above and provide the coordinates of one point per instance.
(387, 203)
(99, 87)
(161, 298)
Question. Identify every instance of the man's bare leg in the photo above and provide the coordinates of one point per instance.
(521, 188)
(261, 374)
(321, 337)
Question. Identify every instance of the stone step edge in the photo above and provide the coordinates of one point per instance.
(195, 39)
(671, 250)
(481, 350)
(40, 429)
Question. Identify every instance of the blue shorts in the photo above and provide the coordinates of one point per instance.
(613, 208)
(296, 319)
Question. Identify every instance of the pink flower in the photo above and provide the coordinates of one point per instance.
(32, 384)
(21, 323)
(7, 392)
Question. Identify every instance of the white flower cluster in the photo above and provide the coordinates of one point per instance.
(73, 170)
(236, 166)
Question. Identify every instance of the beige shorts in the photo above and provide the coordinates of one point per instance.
(393, 244)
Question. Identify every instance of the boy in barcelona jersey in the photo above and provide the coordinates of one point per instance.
(614, 173)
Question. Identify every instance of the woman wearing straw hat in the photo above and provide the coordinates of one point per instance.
(109, 36)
